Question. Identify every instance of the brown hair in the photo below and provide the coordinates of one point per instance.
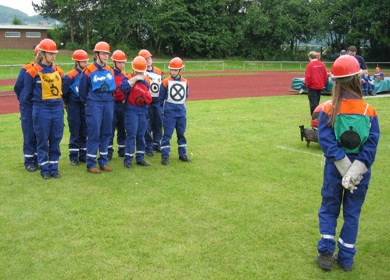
(351, 88)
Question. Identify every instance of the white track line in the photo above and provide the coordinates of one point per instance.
(298, 151)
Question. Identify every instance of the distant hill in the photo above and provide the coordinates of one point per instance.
(7, 14)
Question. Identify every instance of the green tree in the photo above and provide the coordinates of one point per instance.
(16, 21)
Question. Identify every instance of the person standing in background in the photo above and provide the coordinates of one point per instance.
(352, 50)
(316, 78)
(97, 86)
(29, 138)
(76, 109)
(153, 134)
(119, 59)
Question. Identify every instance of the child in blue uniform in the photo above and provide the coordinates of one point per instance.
(76, 109)
(137, 100)
(96, 89)
(118, 123)
(29, 139)
(42, 86)
(348, 134)
(173, 96)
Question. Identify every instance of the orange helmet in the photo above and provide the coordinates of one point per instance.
(102, 47)
(139, 64)
(176, 63)
(377, 69)
(345, 66)
(48, 45)
(144, 53)
(119, 56)
(36, 50)
(318, 55)
(80, 55)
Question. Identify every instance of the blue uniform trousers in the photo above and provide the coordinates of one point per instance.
(78, 131)
(334, 195)
(99, 115)
(153, 134)
(29, 138)
(169, 125)
(118, 124)
(136, 124)
(48, 118)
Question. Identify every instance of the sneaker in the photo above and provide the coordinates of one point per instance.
(301, 91)
(325, 261)
(128, 165)
(143, 163)
(31, 168)
(149, 154)
(56, 176)
(345, 268)
(82, 160)
(74, 162)
(46, 176)
(165, 161)
(185, 158)
(106, 168)
(93, 170)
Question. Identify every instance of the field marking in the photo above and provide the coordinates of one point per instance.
(298, 151)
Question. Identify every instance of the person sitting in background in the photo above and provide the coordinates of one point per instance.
(368, 86)
(379, 76)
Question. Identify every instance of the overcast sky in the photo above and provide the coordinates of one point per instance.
(21, 5)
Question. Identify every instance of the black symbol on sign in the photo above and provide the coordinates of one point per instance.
(154, 88)
(54, 90)
(177, 92)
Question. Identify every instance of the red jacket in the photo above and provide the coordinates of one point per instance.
(316, 75)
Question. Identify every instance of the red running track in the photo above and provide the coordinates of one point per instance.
(239, 85)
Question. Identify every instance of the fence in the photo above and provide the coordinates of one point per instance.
(11, 71)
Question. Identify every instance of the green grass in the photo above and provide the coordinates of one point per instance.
(245, 208)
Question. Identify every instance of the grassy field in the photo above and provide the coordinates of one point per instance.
(245, 208)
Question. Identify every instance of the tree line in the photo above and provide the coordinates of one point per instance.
(254, 29)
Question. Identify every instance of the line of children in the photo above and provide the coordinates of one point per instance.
(99, 99)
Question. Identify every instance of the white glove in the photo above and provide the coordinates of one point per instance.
(347, 183)
(343, 165)
(354, 175)
(134, 79)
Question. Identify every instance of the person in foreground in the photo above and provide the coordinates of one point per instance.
(348, 134)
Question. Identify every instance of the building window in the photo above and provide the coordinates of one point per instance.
(12, 34)
(33, 34)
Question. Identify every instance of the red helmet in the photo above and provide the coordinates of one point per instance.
(102, 47)
(144, 53)
(139, 64)
(316, 113)
(48, 45)
(176, 63)
(318, 55)
(36, 50)
(345, 66)
(80, 55)
(119, 56)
